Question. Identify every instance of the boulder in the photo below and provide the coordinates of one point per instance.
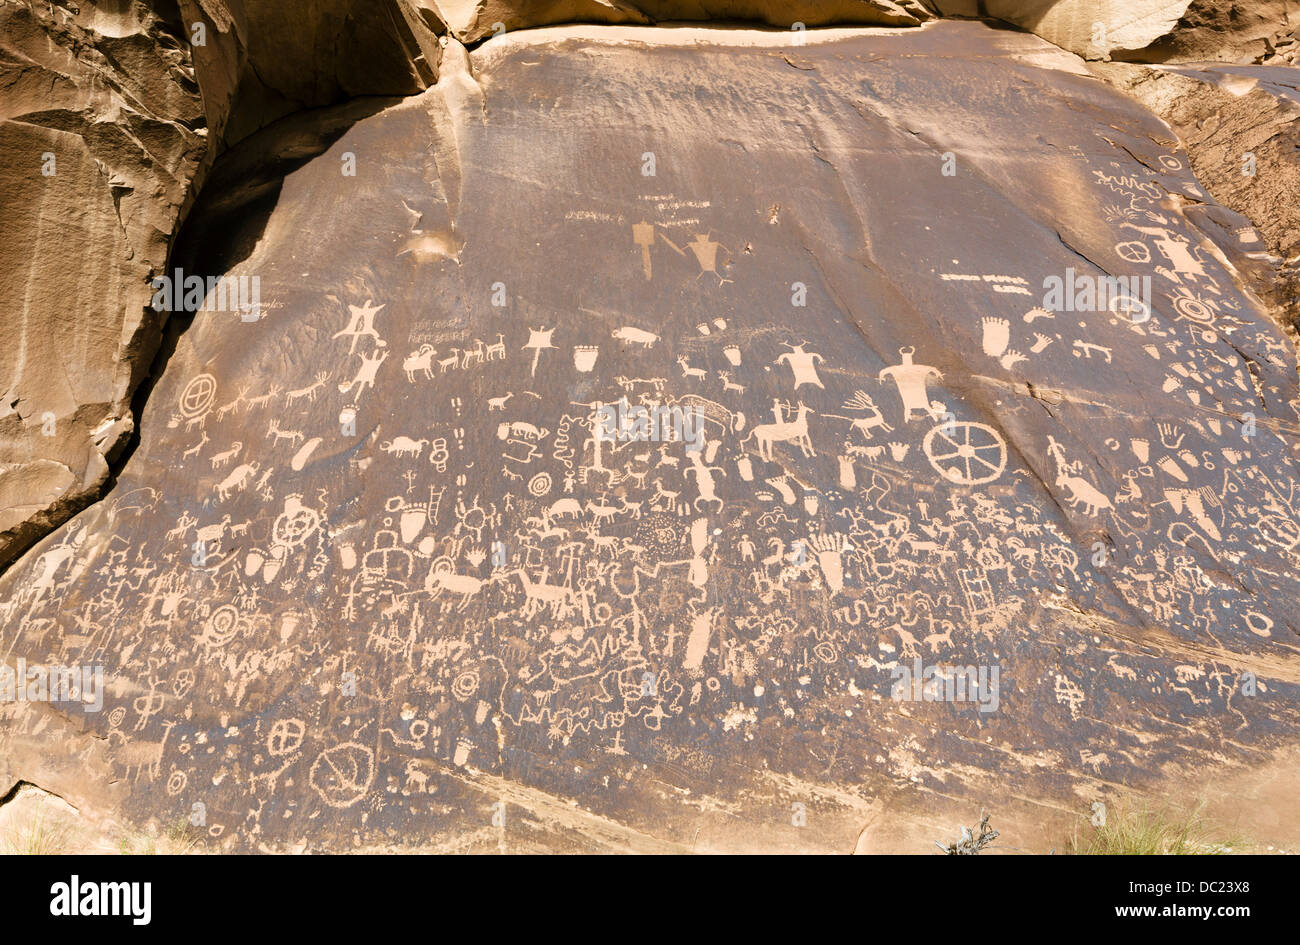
(648, 444)
(1145, 30)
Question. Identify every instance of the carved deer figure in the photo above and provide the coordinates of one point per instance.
(767, 434)
(668, 497)
(225, 456)
(599, 541)
(197, 447)
(233, 405)
(293, 436)
(262, 400)
(144, 756)
(601, 513)
(559, 599)
(728, 384)
(688, 371)
(475, 353)
(310, 391)
(865, 425)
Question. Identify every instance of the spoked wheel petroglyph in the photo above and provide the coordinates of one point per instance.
(198, 396)
(966, 453)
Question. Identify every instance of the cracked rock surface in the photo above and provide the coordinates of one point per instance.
(1240, 126)
(101, 136)
(381, 560)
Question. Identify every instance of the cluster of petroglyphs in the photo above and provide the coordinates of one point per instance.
(423, 361)
(718, 524)
(706, 251)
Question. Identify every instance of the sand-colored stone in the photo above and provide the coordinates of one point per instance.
(1241, 126)
(298, 568)
(1144, 30)
(100, 136)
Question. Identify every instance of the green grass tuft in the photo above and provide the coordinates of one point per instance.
(1143, 830)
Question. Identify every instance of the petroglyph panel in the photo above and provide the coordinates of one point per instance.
(643, 488)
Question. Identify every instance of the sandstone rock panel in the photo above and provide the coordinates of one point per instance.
(100, 138)
(382, 561)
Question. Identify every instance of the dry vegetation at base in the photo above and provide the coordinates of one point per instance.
(1139, 828)
(46, 834)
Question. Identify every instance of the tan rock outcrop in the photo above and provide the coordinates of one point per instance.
(1241, 127)
(101, 136)
(386, 545)
(387, 551)
(1144, 30)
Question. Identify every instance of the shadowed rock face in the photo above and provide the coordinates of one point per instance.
(394, 552)
(262, 61)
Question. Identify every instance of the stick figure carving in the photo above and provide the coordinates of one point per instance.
(538, 340)
(365, 374)
(361, 323)
(705, 249)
